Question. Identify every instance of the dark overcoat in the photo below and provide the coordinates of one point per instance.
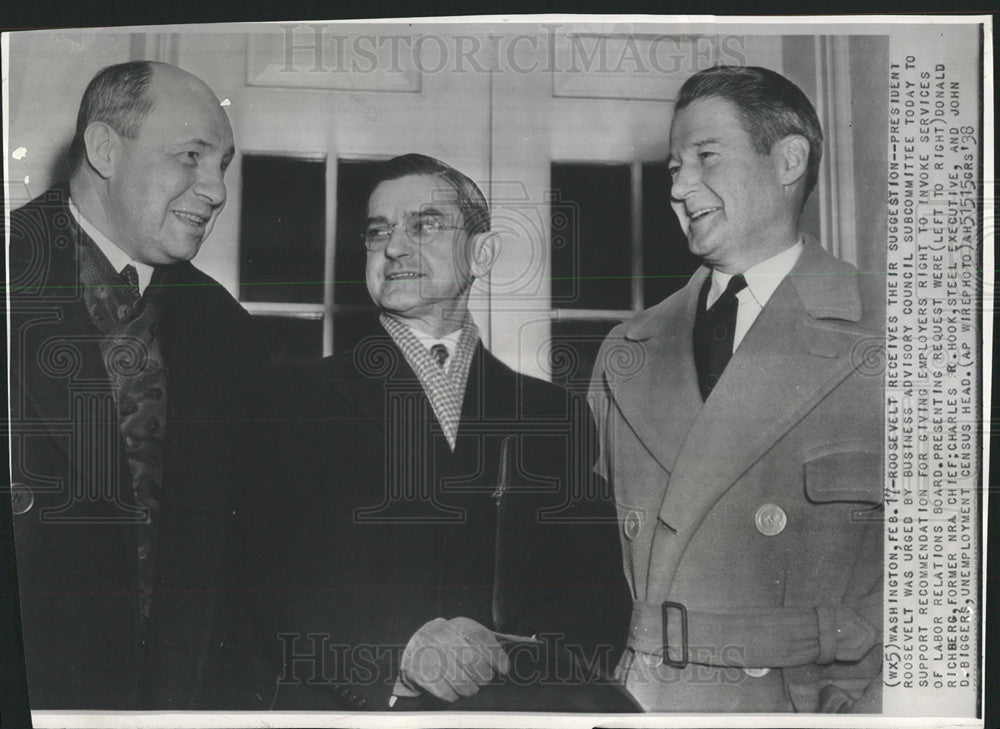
(377, 527)
(74, 513)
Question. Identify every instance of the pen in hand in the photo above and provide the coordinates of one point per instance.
(405, 689)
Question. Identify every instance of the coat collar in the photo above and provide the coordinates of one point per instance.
(786, 364)
(651, 373)
(797, 350)
(801, 347)
(827, 286)
(364, 375)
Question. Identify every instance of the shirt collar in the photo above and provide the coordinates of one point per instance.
(450, 340)
(763, 278)
(118, 258)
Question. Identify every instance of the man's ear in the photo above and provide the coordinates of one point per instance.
(792, 156)
(483, 253)
(102, 145)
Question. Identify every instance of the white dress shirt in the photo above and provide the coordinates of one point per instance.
(762, 279)
(450, 342)
(118, 258)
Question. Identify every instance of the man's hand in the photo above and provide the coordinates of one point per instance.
(450, 659)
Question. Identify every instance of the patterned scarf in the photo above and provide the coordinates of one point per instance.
(138, 376)
(445, 390)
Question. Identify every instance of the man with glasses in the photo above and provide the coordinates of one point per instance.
(441, 526)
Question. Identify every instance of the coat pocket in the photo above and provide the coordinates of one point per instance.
(850, 476)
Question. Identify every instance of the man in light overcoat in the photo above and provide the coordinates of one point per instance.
(741, 426)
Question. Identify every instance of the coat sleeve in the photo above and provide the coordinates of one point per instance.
(581, 600)
(243, 673)
(599, 401)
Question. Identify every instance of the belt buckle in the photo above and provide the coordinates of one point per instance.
(683, 661)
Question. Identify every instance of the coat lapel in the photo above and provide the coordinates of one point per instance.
(374, 370)
(70, 337)
(60, 313)
(65, 335)
(480, 401)
(659, 396)
(797, 351)
(378, 367)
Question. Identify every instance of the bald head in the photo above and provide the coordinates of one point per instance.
(123, 95)
(168, 79)
(153, 144)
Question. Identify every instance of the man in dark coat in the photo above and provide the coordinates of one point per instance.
(441, 527)
(127, 372)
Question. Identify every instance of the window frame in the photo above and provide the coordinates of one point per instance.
(635, 248)
(328, 309)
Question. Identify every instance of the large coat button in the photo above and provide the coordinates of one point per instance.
(633, 525)
(21, 499)
(770, 519)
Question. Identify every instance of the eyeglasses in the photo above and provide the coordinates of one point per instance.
(419, 230)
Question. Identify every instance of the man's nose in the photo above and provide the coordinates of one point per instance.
(683, 184)
(211, 185)
(399, 243)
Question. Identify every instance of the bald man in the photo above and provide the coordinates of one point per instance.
(128, 370)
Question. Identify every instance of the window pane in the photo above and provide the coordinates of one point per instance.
(667, 263)
(292, 339)
(282, 229)
(354, 184)
(574, 349)
(591, 236)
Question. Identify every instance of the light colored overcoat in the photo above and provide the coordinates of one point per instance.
(759, 510)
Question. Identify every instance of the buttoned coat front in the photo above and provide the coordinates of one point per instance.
(757, 512)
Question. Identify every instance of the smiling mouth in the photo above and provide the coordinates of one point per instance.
(701, 214)
(198, 221)
(402, 276)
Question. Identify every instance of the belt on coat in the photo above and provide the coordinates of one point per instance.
(758, 637)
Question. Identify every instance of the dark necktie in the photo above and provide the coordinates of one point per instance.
(713, 333)
(130, 277)
(440, 354)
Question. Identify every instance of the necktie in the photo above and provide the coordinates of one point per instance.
(130, 277)
(713, 333)
(440, 354)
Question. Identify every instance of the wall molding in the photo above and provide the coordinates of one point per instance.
(163, 47)
(836, 186)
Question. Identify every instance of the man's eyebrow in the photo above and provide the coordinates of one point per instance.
(204, 145)
(424, 212)
(703, 142)
(674, 157)
(428, 211)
